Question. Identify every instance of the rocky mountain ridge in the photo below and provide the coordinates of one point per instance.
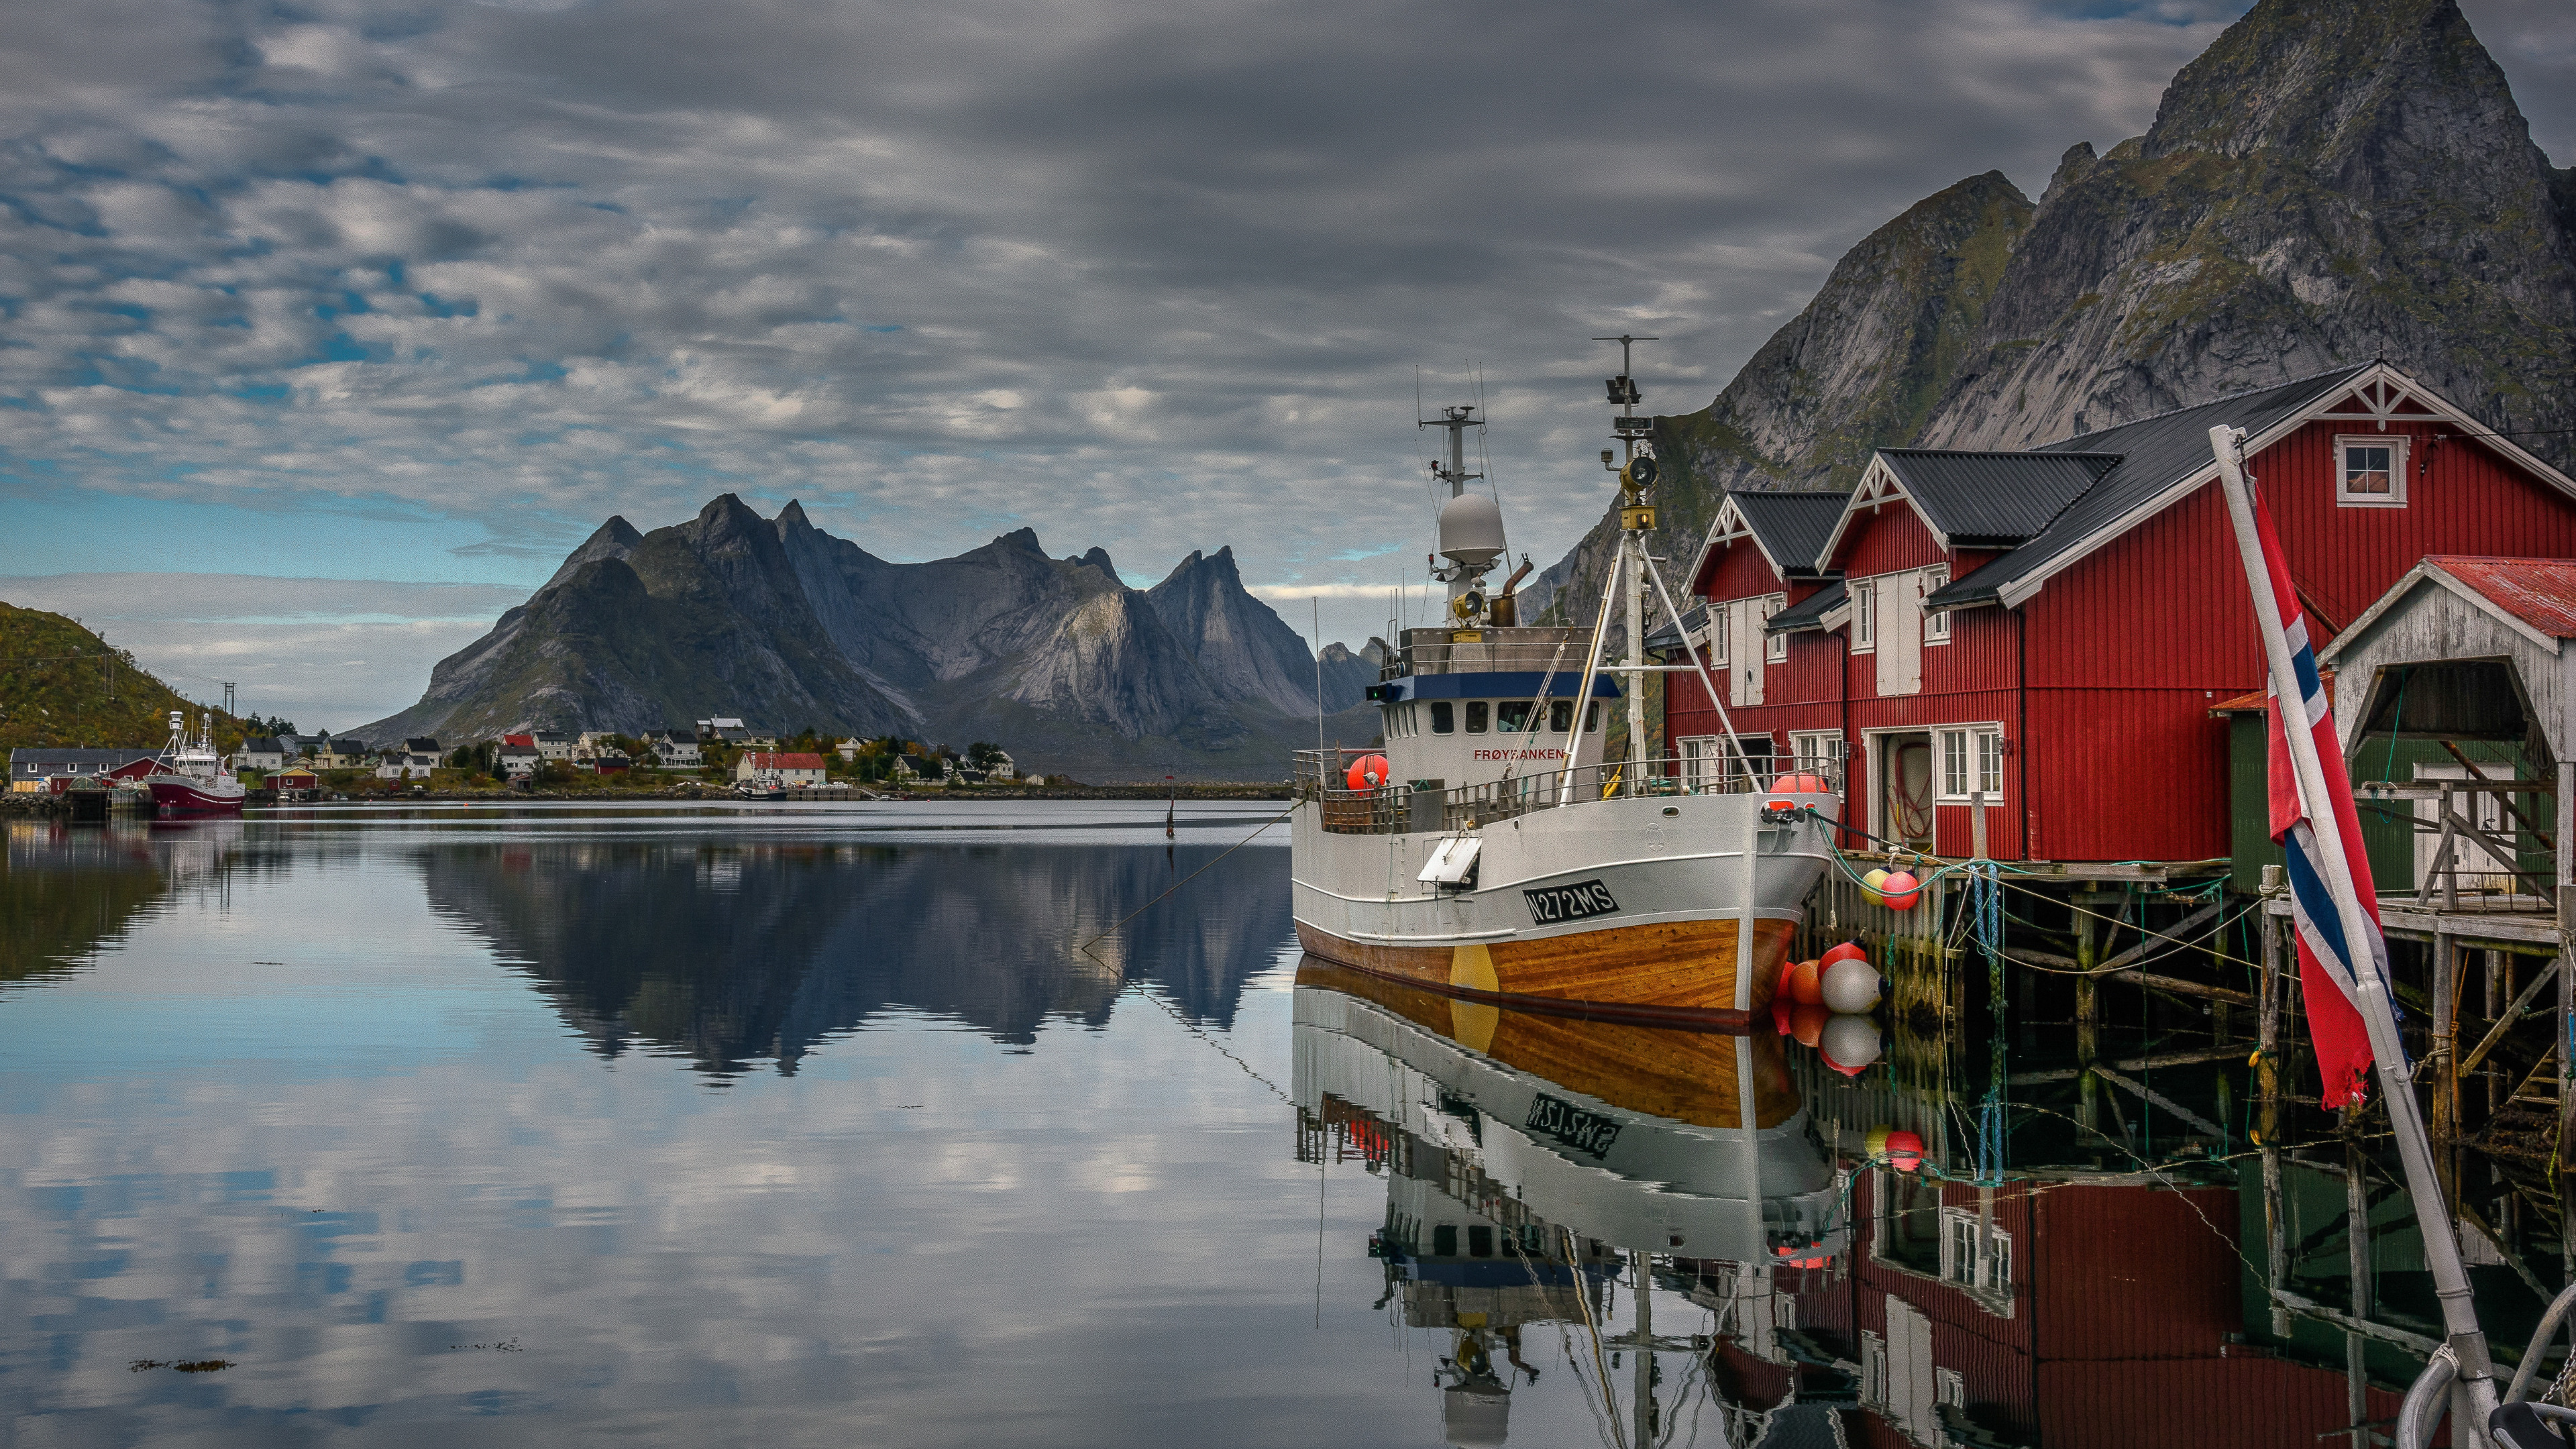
(2325, 184)
(781, 622)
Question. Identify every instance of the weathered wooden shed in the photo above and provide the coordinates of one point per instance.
(2467, 656)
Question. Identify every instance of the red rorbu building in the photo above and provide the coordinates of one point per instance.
(2051, 627)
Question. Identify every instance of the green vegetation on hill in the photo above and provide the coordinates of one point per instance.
(62, 685)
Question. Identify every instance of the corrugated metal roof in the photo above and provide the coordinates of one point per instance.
(2155, 454)
(1791, 527)
(2540, 592)
(1809, 613)
(1993, 500)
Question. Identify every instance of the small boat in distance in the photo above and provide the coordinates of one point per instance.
(1486, 847)
(192, 781)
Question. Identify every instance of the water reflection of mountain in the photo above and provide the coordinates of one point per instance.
(65, 889)
(735, 952)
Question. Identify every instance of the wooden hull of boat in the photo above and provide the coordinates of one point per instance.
(1658, 973)
(1686, 1076)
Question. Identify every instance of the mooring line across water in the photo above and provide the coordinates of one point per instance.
(1085, 947)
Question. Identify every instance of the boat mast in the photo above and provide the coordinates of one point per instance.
(1636, 474)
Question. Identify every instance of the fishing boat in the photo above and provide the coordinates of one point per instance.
(192, 780)
(1489, 847)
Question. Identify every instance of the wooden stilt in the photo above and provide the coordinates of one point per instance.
(2088, 1041)
(2444, 1051)
(2356, 1232)
(2267, 1082)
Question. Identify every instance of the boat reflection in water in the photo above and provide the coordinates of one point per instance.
(1535, 1163)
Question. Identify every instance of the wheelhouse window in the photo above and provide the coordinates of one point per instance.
(1864, 617)
(1592, 718)
(1477, 713)
(1560, 715)
(1444, 717)
(2372, 470)
(1512, 716)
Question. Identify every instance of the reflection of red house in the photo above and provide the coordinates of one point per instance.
(2050, 627)
(2110, 1326)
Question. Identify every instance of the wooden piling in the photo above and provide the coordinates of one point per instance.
(2088, 1042)
(2356, 1233)
(2267, 1080)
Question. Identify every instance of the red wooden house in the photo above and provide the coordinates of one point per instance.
(2099, 1313)
(2051, 627)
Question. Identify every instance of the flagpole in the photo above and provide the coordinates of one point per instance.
(2423, 1185)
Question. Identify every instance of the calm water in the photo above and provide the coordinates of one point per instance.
(693, 1129)
(815, 1125)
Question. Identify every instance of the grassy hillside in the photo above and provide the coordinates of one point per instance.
(60, 684)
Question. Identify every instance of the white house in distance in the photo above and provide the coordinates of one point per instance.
(516, 761)
(674, 751)
(793, 770)
(554, 744)
(263, 753)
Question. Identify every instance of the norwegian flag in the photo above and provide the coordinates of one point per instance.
(2327, 962)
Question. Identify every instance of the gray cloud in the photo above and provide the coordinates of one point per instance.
(1139, 274)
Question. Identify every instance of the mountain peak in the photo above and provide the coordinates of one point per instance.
(1025, 539)
(616, 539)
(1098, 558)
(793, 516)
(2321, 78)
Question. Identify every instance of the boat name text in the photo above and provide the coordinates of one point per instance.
(1520, 754)
(1585, 1132)
(1551, 904)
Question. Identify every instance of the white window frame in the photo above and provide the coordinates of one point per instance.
(1775, 647)
(1873, 1368)
(1962, 1266)
(2395, 443)
(1864, 619)
(1979, 745)
(1936, 622)
(1717, 617)
(1704, 762)
(1811, 749)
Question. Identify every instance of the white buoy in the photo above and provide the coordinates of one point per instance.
(1849, 1044)
(1851, 986)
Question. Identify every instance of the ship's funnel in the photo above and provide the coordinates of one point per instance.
(1471, 531)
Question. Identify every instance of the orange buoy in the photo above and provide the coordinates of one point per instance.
(1802, 783)
(1805, 984)
(1368, 772)
(1807, 1024)
(1901, 890)
(1847, 951)
(1904, 1151)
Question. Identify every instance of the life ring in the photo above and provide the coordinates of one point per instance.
(1368, 772)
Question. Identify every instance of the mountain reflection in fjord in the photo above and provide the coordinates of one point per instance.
(731, 952)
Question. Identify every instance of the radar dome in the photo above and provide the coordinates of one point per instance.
(1471, 530)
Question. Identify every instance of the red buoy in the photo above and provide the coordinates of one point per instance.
(1368, 772)
(1847, 951)
(1904, 1151)
(1901, 890)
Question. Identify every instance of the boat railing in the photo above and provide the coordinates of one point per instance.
(1514, 650)
(1397, 808)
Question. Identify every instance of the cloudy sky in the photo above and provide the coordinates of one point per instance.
(406, 299)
